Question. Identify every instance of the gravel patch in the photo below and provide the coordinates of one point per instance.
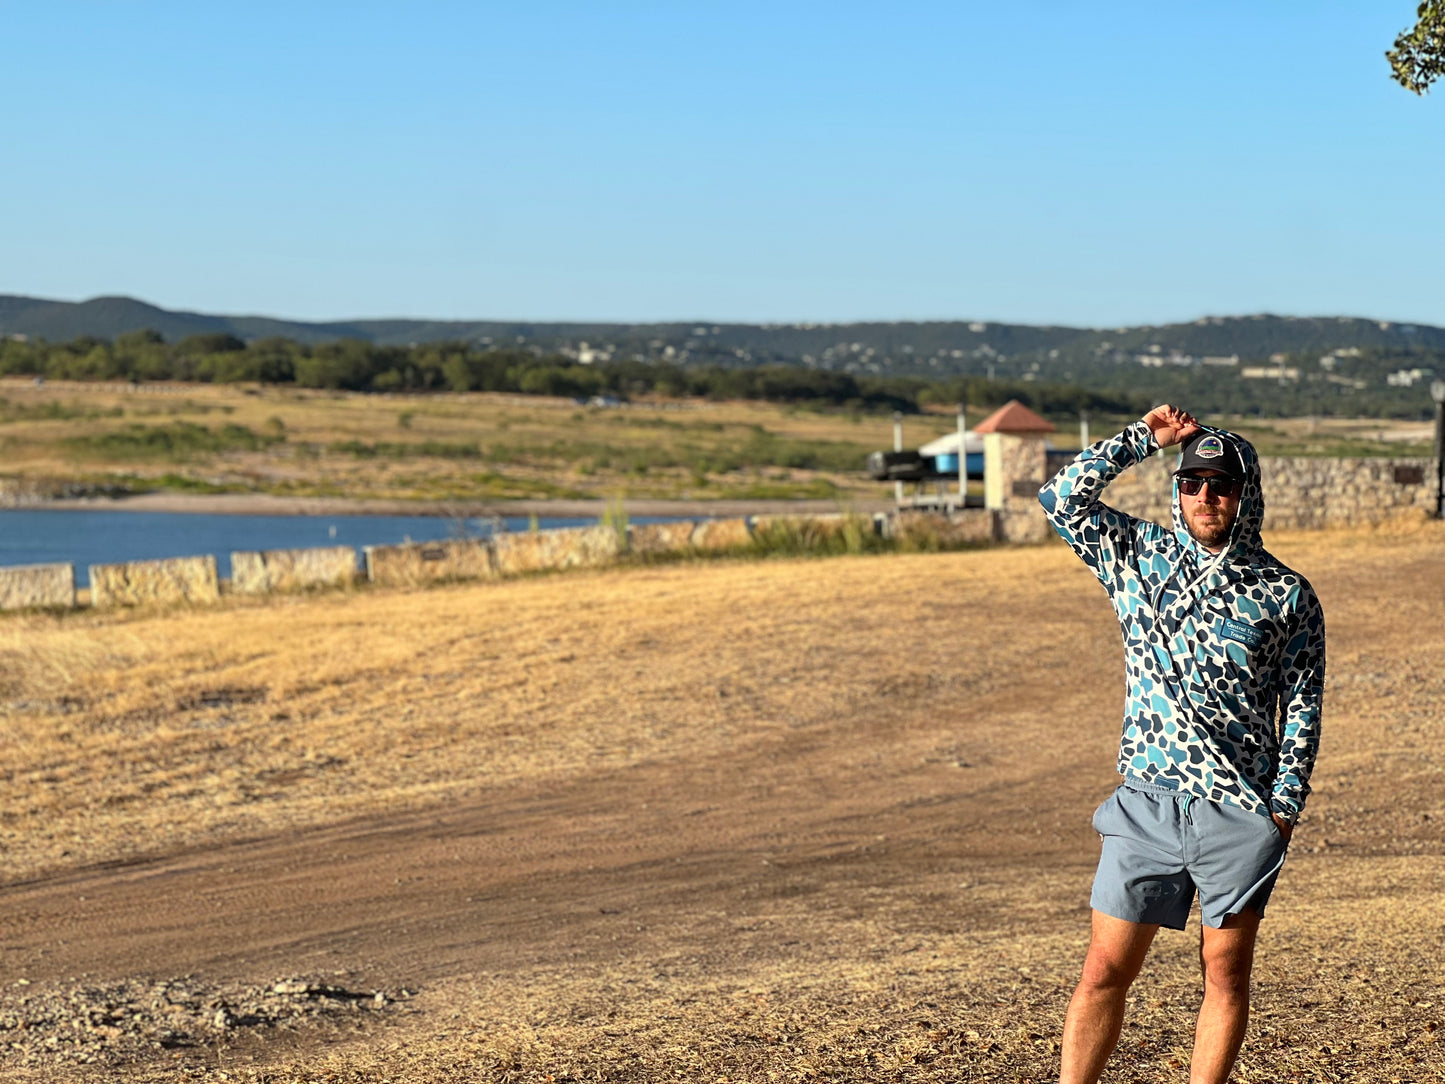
(70, 1024)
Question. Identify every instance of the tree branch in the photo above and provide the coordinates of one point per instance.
(1418, 58)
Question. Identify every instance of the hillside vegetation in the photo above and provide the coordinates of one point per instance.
(1260, 364)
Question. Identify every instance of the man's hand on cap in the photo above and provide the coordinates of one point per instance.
(1170, 426)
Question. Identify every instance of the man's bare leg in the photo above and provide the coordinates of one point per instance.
(1096, 1012)
(1225, 956)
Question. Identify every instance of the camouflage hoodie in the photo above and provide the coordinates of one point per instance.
(1224, 654)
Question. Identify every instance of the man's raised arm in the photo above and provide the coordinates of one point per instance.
(1097, 533)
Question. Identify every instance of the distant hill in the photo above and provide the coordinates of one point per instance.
(107, 317)
(907, 346)
(1258, 362)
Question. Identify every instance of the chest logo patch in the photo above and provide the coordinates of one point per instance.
(1247, 635)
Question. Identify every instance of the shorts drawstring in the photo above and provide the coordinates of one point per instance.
(1185, 802)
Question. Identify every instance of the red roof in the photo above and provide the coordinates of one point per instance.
(1014, 417)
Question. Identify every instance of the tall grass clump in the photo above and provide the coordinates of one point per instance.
(807, 536)
(615, 517)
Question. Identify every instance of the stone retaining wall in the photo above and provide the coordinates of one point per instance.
(262, 572)
(547, 551)
(428, 562)
(144, 583)
(720, 534)
(651, 538)
(1303, 492)
(933, 530)
(28, 587)
(1300, 491)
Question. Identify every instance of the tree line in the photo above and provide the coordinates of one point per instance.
(356, 365)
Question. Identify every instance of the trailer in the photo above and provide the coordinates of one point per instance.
(938, 473)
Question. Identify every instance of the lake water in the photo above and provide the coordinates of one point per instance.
(38, 536)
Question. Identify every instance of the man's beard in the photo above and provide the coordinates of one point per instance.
(1211, 534)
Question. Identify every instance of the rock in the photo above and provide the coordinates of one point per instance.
(427, 562)
(262, 572)
(547, 551)
(24, 587)
(139, 583)
(650, 538)
(55, 1024)
(720, 534)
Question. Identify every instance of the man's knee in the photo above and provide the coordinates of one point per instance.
(1227, 958)
(1107, 970)
(1227, 973)
(1116, 953)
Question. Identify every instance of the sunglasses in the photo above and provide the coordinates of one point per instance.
(1220, 485)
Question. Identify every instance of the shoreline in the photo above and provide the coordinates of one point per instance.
(262, 504)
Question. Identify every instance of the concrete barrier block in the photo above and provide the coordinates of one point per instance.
(265, 571)
(720, 534)
(542, 551)
(414, 563)
(660, 537)
(1299, 491)
(27, 587)
(143, 583)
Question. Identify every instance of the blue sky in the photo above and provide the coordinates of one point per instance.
(1038, 162)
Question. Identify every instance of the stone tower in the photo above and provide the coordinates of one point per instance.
(1014, 470)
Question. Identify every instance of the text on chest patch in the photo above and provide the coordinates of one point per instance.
(1247, 635)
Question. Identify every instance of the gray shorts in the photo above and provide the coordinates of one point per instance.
(1160, 846)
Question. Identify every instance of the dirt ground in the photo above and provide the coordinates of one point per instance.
(785, 820)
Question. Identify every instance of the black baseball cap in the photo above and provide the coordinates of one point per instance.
(1211, 451)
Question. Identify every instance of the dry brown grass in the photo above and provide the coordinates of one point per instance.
(1335, 436)
(532, 446)
(902, 752)
(141, 731)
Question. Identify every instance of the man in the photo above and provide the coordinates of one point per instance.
(1225, 659)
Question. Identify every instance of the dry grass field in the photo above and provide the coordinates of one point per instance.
(480, 448)
(1336, 436)
(789, 820)
(473, 447)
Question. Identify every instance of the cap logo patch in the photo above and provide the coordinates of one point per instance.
(1209, 448)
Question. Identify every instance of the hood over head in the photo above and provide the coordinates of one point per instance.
(1244, 538)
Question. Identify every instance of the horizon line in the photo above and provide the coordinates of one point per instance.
(715, 321)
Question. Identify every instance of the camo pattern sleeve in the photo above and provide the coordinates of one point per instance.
(1103, 537)
(1302, 693)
